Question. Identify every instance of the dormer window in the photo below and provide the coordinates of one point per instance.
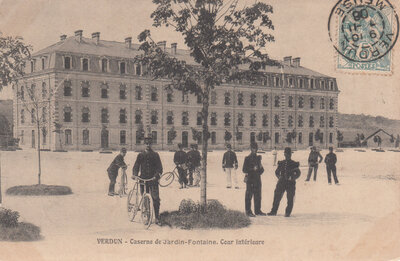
(85, 64)
(67, 62)
(122, 67)
(32, 66)
(43, 63)
(138, 69)
(104, 63)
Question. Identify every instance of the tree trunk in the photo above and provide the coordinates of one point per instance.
(205, 136)
(38, 147)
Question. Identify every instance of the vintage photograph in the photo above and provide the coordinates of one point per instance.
(199, 129)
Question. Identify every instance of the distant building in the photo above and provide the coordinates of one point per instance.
(105, 100)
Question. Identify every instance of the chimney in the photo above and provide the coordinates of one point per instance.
(128, 42)
(96, 36)
(173, 48)
(78, 35)
(287, 60)
(162, 45)
(296, 62)
(63, 37)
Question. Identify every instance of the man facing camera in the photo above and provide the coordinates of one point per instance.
(287, 173)
(253, 169)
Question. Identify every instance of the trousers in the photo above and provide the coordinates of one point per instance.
(113, 179)
(281, 187)
(310, 169)
(153, 189)
(329, 170)
(253, 188)
(229, 173)
(182, 176)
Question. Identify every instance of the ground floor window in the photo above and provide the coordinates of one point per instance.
(44, 136)
(213, 138)
(276, 137)
(321, 140)
(239, 137)
(330, 137)
(252, 137)
(122, 137)
(138, 136)
(154, 137)
(85, 136)
(300, 137)
(68, 137)
(33, 139)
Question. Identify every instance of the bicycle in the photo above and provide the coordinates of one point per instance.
(123, 185)
(168, 177)
(143, 202)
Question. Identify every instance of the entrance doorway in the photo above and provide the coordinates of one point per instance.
(104, 139)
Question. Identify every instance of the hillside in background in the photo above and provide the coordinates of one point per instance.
(351, 124)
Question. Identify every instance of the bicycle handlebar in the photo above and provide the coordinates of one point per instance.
(141, 179)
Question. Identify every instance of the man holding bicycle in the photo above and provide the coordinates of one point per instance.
(112, 170)
(149, 165)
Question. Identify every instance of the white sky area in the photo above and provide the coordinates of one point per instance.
(300, 31)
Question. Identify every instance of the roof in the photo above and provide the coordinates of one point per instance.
(118, 49)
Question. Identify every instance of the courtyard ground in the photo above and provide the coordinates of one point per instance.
(357, 220)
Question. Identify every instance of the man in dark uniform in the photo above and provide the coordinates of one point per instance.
(180, 159)
(112, 170)
(230, 165)
(287, 173)
(253, 169)
(149, 165)
(193, 160)
(313, 162)
(330, 161)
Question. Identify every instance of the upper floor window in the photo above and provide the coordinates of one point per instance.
(122, 91)
(122, 116)
(227, 98)
(322, 84)
(277, 101)
(301, 83)
(265, 100)
(85, 89)
(67, 88)
(331, 85)
(213, 118)
(44, 114)
(312, 83)
(240, 119)
(154, 117)
(227, 119)
(85, 64)
(138, 93)
(85, 114)
(138, 117)
(138, 69)
(67, 114)
(276, 121)
(252, 119)
(33, 117)
(154, 95)
(301, 102)
(312, 103)
(265, 120)
(170, 95)
(22, 93)
(44, 90)
(331, 122)
(331, 104)
(322, 104)
(321, 121)
(104, 115)
(253, 99)
(277, 81)
(300, 121)
(240, 98)
(122, 67)
(213, 97)
(199, 119)
(311, 122)
(290, 101)
(290, 82)
(67, 62)
(104, 65)
(185, 118)
(170, 118)
(22, 116)
(104, 90)
(290, 121)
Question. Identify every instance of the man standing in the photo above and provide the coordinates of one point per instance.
(330, 161)
(112, 170)
(193, 159)
(230, 165)
(275, 155)
(253, 169)
(313, 162)
(149, 165)
(287, 173)
(180, 159)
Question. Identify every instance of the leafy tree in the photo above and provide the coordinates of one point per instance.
(339, 136)
(227, 136)
(225, 43)
(196, 135)
(260, 136)
(266, 137)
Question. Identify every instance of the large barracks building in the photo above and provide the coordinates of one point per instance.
(104, 100)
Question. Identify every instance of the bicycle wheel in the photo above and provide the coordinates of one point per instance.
(147, 210)
(133, 202)
(166, 179)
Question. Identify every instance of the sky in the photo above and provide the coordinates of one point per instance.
(301, 30)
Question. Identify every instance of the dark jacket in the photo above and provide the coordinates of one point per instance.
(313, 158)
(288, 170)
(149, 165)
(330, 159)
(229, 160)
(253, 168)
(180, 157)
(117, 163)
(194, 158)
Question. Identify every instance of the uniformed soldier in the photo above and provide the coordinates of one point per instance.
(253, 169)
(112, 170)
(313, 162)
(149, 165)
(193, 160)
(180, 160)
(287, 173)
(330, 161)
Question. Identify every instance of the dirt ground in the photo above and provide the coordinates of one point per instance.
(357, 220)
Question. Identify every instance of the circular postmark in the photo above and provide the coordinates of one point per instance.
(363, 30)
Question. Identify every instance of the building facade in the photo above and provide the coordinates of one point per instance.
(97, 97)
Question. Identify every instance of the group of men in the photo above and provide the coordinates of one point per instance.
(149, 165)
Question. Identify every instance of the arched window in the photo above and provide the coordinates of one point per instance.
(170, 95)
(85, 114)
